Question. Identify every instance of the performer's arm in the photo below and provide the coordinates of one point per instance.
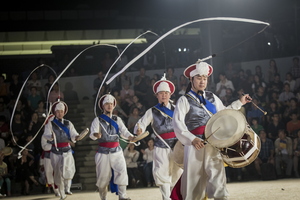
(236, 105)
(48, 131)
(143, 122)
(123, 130)
(181, 130)
(95, 129)
(73, 133)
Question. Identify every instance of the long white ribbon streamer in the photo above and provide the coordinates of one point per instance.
(120, 55)
(180, 26)
(15, 106)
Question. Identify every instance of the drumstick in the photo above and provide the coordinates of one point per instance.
(211, 134)
(265, 113)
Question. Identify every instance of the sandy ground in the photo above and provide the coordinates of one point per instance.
(283, 189)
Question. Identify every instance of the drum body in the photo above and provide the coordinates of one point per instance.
(229, 131)
(178, 154)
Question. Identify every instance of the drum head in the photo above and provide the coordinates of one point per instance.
(225, 128)
(7, 151)
(178, 154)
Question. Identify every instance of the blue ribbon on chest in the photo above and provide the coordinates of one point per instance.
(110, 121)
(209, 106)
(63, 127)
(164, 110)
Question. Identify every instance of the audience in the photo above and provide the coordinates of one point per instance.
(279, 130)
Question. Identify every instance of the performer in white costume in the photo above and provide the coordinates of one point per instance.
(110, 161)
(61, 132)
(204, 171)
(46, 162)
(165, 172)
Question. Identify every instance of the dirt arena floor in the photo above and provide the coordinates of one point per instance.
(283, 189)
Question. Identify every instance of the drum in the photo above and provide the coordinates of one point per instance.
(7, 151)
(229, 131)
(178, 154)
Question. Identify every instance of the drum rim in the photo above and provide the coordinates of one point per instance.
(232, 140)
(251, 158)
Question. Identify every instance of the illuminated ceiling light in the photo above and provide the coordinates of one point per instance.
(44, 47)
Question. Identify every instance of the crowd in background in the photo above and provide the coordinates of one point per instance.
(277, 94)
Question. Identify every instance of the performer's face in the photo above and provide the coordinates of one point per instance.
(163, 97)
(108, 107)
(199, 82)
(59, 114)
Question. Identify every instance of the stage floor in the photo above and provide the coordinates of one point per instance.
(259, 190)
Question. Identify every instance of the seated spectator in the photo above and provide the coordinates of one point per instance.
(286, 95)
(4, 176)
(290, 80)
(41, 111)
(275, 86)
(266, 154)
(33, 99)
(148, 157)
(293, 125)
(126, 95)
(131, 156)
(261, 96)
(291, 107)
(222, 85)
(272, 108)
(137, 104)
(25, 172)
(256, 126)
(55, 94)
(254, 112)
(47, 85)
(284, 153)
(133, 119)
(4, 111)
(18, 126)
(15, 86)
(141, 83)
(4, 88)
(275, 125)
(228, 98)
(4, 129)
(258, 82)
(272, 71)
(34, 82)
(296, 148)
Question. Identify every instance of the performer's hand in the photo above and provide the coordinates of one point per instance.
(245, 99)
(130, 138)
(76, 138)
(98, 135)
(198, 143)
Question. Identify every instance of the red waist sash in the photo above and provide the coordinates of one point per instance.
(167, 135)
(198, 131)
(109, 144)
(62, 144)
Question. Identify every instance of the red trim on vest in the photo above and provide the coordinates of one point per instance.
(109, 144)
(198, 131)
(167, 135)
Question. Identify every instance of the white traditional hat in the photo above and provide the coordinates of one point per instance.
(59, 105)
(200, 68)
(163, 85)
(107, 98)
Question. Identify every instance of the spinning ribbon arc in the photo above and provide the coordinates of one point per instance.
(185, 24)
(15, 106)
